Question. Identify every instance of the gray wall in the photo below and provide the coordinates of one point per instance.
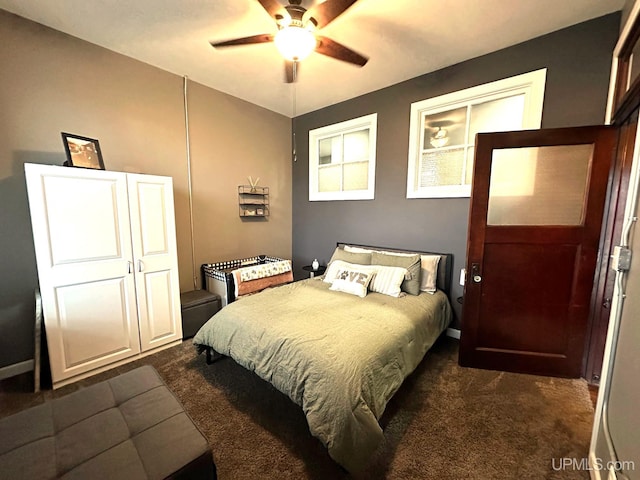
(578, 60)
(51, 82)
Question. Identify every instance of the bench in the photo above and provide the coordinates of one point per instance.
(131, 426)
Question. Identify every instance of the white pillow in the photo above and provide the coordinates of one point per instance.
(387, 280)
(349, 248)
(353, 281)
(429, 272)
(337, 265)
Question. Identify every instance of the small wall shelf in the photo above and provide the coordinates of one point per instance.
(253, 201)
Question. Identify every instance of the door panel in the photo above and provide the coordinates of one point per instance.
(95, 201)
(547, 188)
(154, 247)
(95, 321)
(80, 222)
(534, 226)
(605, 277)
(516, 285)
(160, 325)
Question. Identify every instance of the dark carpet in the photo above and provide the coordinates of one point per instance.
(444, 422)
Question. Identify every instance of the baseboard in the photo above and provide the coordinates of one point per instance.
(453, 333)
(16, 369)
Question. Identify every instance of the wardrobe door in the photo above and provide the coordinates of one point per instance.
(153, 236)
(80, 221)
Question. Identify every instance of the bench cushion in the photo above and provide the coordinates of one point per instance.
(131, 426)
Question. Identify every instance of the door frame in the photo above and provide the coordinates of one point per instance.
(622, 106)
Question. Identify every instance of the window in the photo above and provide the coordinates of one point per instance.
(443, 129)
(342, 160)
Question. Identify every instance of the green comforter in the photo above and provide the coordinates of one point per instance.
(338, 356)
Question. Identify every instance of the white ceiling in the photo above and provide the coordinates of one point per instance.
(403, 38)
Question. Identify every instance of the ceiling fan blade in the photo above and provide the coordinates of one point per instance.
(291, 71)
(327, 12)
(333, 49)
(262, 38)
(273, 7)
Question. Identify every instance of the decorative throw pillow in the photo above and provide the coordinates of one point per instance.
(429, 273)
(337, 265)
(351, 257)
(352, 281)
(387, 280)
(411, 284)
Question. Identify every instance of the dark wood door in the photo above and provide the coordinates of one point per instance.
(611, 234)
(537, 204)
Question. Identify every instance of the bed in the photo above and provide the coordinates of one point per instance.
(336, 351)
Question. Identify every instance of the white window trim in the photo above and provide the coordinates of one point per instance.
(530, 84)
(368, 121)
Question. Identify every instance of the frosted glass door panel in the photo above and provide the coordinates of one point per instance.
(539, 185)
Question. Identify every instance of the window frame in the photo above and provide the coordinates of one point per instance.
(531, 85)
(369, 122)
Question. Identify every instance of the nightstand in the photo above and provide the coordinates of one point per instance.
(312, 273)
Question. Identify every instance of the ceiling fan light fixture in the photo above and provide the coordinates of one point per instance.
(295, 43)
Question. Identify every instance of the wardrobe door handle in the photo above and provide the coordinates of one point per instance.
(129, 267)
(140, 265)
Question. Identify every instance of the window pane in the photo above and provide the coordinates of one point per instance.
(329, 179)
(329, 150)
(498, 115)
(446, 128)
(539, 185)
(356, 176)
(356, 146)
(468, 175)
(441, 167)
(634, 65)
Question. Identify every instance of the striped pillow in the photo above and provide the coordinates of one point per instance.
(388, 280)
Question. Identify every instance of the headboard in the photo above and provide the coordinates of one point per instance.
(445, 266)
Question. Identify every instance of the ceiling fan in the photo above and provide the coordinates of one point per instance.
(297, 38)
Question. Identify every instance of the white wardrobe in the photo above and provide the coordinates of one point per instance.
(107, 265)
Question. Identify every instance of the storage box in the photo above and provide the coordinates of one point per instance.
(218, 278)
(197, 306)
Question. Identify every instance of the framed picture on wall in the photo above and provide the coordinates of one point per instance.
(82, 152)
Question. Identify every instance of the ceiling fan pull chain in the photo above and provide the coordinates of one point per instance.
(295, 156)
